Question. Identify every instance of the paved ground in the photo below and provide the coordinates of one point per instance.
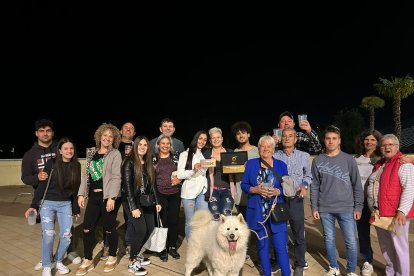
(20, 244)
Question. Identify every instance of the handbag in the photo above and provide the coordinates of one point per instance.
(279, 211)
(158, 239)
(146, 200)
(387, 223)
(285, 181)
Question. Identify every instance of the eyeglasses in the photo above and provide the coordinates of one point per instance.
(387, 145)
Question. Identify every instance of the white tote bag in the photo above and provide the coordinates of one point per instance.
(157, 240)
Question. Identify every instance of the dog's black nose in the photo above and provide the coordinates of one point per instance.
(231, 236)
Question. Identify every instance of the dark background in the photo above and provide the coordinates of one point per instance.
(186, 60)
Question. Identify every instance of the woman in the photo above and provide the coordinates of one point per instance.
(169, 189)
(369, 154)
(59, 201)
(138, 176)
(102, 185)
(195, 182)
(393, 198)
(221, 187)
(259, 201)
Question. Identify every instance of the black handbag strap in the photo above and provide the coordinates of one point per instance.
(273, 170)
(47, 187)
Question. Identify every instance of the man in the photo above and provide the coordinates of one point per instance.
(33, 163)
(307, 140)
(127, 137)
(242, 131)
(299, 169)
(167, 127)
(337, 194)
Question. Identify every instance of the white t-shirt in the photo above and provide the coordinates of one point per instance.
(365, 168)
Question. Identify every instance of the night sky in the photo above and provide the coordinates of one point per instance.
(314, 58)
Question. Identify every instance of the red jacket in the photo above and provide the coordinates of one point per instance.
(390, 189)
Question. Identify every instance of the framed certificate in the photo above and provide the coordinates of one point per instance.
(233, 162)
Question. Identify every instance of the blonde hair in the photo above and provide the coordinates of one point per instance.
(115, 133)
(267, 139)
(215, 130)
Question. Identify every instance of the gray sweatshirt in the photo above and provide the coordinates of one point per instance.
(336, 185)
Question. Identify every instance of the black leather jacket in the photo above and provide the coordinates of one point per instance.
(130, 190)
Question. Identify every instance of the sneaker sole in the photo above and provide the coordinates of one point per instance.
(108, 270)
(146, 263)
(63, 273)
(81, 274)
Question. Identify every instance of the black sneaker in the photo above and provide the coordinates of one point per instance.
(164, 255)
(306, 266)
(275, 267)
(136, 268)
(173, 252)
(143, 260)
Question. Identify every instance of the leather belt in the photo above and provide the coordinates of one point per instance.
(97, 190)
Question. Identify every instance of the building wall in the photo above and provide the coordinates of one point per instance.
(11, 170)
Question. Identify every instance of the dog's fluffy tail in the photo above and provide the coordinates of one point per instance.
(200, 219)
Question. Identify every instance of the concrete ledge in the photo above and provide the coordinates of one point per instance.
(11, 171)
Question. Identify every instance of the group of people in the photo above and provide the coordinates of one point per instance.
(122, 171)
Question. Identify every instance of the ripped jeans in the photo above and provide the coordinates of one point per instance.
(63, 211)
(221, 202)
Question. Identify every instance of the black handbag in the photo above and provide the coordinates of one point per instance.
(280, 211)
(146, 200)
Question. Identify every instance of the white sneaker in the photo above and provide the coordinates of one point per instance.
(47, 271)
(38, 266)
(367, 269)
(63, 269)
(77, 260)
(333, 271)
(351, 274)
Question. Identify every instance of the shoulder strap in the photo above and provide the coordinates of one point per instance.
(47, 187)
(272, 169)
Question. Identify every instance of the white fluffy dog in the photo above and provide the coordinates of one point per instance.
(222, 245)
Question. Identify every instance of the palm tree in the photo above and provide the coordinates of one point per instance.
(397, 89)
(371, 103)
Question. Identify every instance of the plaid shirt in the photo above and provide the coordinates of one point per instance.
(306, 142)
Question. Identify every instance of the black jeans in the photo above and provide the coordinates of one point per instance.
(364, 233)
(96, 208)
(139, 228)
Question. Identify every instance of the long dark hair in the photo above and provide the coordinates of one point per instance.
(192, 149)
(360, 148)
(74, 167)
(138, 167)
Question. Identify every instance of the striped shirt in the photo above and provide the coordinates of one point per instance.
(298, 166)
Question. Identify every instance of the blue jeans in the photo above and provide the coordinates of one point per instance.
(221, 202)
(190, 207)
(63, 211)
(347, 225)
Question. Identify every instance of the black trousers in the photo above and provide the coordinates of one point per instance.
(297, 225)
(170, 212)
